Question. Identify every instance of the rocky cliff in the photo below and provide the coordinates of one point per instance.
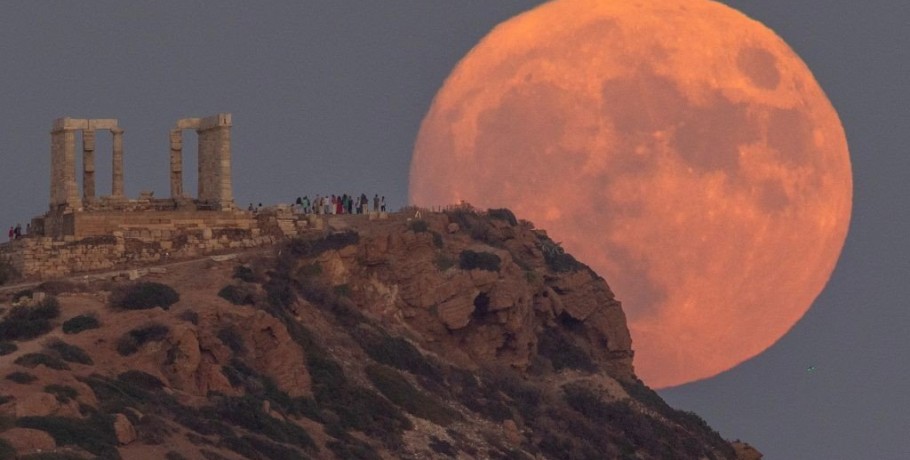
(451, 335)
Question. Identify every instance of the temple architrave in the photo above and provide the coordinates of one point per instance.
(79, 214)
(84, 232)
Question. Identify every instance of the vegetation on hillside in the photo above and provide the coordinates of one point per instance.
(371, 388)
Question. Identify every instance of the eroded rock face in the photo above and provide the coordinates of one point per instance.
(27, 440)
(124, 429)
(196, 354)
(495, 312)
(447, 308)
(44, 404)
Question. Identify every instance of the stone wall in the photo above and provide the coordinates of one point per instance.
(46, 258)
(121, 240)
(118, 240)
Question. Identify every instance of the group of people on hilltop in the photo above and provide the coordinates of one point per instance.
(340, 204)
(16, 232)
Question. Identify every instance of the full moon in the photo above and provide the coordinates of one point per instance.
(679, 148)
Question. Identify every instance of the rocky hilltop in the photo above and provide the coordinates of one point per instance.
(452, 335)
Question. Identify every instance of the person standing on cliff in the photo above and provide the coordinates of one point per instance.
(18, 231)
(382, 204)
(12, 233)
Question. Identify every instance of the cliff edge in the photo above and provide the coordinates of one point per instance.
(460, 334)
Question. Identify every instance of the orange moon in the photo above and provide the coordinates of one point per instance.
(679, 148)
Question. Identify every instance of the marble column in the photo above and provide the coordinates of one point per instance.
(225, 182)
(70, 185)
(117, 175)
(57, 197)
(206, 176)
(176, 163)
(88, 165)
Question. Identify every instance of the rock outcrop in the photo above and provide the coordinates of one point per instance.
(459, 334)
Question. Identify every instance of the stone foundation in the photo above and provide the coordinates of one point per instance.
(100, 241)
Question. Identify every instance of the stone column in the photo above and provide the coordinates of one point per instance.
(117, 175)
(57, 197)
(206, 175)
(88, 165)
(223, 165)
(176, 163)
(70, 185)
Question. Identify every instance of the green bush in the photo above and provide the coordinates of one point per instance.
(245, 273)
(81, 323)
(310, 270)
(253, 447)
(94, 434)
(443, 262)
(23, 294)
(418, 226)
(556, 258)
(504, 215)
(398, 390)
(7, 348)
(342, 290)
(130, 342)
(6, 449)
(690, 421)
(145, 295)
(189, 316)
(437, 240)
(26, 323)
(64, 393)
(142, 380)
(3, 400)
(70, 353)
(470, 260)
(230, 337)
(357, 408)
(396, 352)
(443, 447)
(51, 456)
(562, 352)
(32, 360)
(246, 412)
(7, 272)
(57, 287)
(48, 308)
(21, 377)
(351, 448)
(301, 247)
(237, 295)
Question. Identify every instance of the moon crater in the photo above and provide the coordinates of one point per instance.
(679, 148)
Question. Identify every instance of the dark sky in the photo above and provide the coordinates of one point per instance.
(327, 97)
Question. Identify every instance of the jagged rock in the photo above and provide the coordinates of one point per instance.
(124, 429)
(456, 312)
(28, 441)
(510, 432)
(395, 307)
(746, 452)
(37, 405)
(184, 361)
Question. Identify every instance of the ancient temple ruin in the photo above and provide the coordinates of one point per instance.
(64, 188)
(214, 175)
(84, 231)
(214, 150)
(82, 213)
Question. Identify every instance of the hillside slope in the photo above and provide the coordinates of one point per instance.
(458, 335)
